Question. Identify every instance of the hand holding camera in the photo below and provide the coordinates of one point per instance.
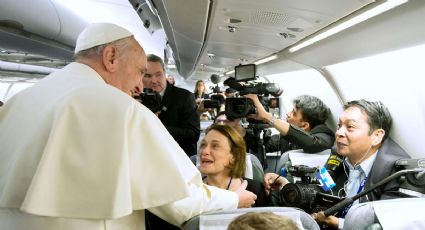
(150, 99)
(261, 113)
(274, 181)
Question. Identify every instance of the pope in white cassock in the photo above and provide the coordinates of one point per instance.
(78, 152)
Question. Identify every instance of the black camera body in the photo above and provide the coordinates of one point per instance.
(150, 99)
(215, 101)
(239, 107)
(307, 193)
(261, 88)
(412, 185)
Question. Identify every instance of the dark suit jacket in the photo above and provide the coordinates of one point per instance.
(180, 117)
(203, 95)
(319, 138)
(258, 189)
(383, 167)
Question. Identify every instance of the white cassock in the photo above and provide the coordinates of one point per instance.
(77, 153)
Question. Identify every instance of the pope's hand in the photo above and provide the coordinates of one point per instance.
(246, 198)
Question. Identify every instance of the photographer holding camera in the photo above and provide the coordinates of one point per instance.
(177, 109)
(304, 127)
(368, 156)
(214, 102)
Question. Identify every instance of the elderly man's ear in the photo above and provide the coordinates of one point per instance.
(109, 58)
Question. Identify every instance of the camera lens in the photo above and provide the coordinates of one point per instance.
(291, 196)
(239, 106)
(299, 195)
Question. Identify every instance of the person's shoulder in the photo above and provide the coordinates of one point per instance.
(390, 149)
(180, 93)
(253, 183)
(181, 90)
(322, 128)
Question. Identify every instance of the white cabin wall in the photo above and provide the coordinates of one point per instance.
(395, 79)
(309, 82)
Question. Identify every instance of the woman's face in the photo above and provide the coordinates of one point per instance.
(215, 154)
(200, 87)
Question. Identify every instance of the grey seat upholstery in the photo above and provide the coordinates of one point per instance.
(283, 160)
(402, 213)
(220, 220)
(257, 168)
(289, 156)
(193, 158)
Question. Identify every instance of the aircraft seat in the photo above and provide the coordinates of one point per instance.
(221, 219)
(299, 157)
(401, 213)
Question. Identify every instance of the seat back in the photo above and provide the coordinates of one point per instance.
(220, 220)
(299, 157)
(257, 168)
(402, 213)
(194, 159)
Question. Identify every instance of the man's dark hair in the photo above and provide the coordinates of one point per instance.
(154, 58)
(378, 115)
(313, 110)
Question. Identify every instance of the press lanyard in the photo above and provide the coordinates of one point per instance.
(362, 184)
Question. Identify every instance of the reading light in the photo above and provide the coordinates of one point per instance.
(211, 55)
(267, 59)
(389, 4)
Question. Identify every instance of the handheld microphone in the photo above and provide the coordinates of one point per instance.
(273, 89)
(334, 164)
(215, 79)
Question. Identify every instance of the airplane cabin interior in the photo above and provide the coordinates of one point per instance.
(336, 50)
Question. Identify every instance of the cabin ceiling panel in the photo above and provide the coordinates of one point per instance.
(243, 31)
(26, 15)
(184, 26)
(398, 28)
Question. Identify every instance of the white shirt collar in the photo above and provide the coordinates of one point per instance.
(163, 91)
(366, 165)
